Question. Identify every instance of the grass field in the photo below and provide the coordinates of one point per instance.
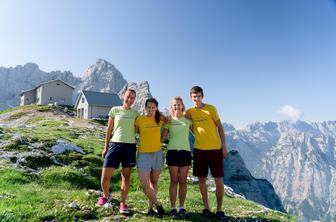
(45, 194)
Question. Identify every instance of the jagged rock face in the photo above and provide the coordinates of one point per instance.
(102, 77)
(298, 158)
(228, 127)
(239, 178)
(143, 93)
(14, 80)
(331, 213)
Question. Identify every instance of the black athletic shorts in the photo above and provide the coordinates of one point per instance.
(117, 153)
(178, 158)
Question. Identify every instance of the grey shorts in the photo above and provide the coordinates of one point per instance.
(150, 161)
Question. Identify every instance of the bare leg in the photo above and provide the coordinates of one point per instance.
(183, 173)
(125, 183)
(174, 179)
(219, 192)
(204, 191)
(154, 177)
(105, 180)
(147, 187)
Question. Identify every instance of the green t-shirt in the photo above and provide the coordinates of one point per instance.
(179, 133)
(123, 127)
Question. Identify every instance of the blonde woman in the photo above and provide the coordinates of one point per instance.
(178, 155)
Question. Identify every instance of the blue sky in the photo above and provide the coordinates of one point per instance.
(252, 57)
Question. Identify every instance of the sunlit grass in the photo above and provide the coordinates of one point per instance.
(46, 196)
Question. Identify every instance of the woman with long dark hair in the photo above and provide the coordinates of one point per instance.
(150, 157)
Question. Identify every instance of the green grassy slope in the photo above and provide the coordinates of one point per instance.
(45, 194)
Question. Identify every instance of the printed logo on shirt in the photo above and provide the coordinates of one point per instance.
(176, 124)
(200, 119)
(150, 126)
(124, 116)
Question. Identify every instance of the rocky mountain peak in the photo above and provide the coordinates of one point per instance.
(103, 77)
(298, 158)
(101, 67)
(31, 66)
(228, 127)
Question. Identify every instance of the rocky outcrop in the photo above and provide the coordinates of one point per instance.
(101, 77)
(63, 146)
(298, 158)
(239, 178)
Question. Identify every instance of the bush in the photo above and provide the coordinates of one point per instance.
(12, 176)
(69, 157)
(43, 108)
(15, 146)
(66, 177)
(36, 162)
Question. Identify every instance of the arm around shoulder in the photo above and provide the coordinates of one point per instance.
(164, 135)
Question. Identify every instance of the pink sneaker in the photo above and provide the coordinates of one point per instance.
(123, 209)
(101, 201)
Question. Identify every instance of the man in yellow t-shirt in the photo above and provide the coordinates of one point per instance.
(209, 148)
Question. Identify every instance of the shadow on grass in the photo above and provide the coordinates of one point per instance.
(198, 217)
(190, 216)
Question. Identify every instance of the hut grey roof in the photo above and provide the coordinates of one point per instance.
(29, 90)
(101, 99)
(42, 83)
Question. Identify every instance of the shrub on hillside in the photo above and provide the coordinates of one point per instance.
(66, 177)
(11, 176)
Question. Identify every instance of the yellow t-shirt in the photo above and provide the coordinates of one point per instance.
(150, 134)
(204, 127)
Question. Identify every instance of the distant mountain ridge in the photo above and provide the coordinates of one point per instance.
(14, 80)
(298, 158)
(101, 77)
